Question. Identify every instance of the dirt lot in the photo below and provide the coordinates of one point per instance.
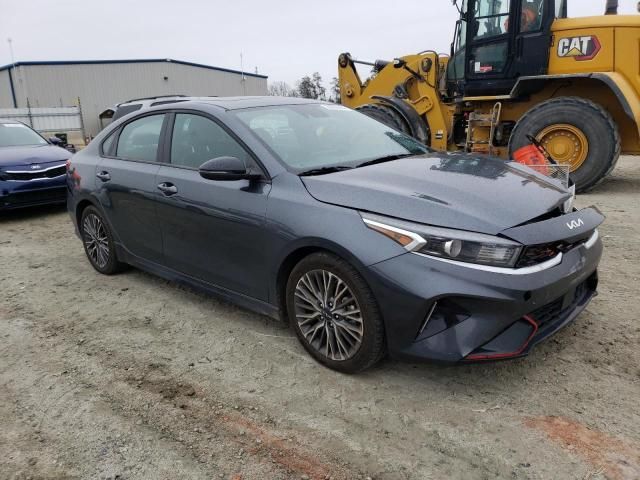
(133, 377)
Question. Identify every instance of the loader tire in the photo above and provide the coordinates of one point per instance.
(385, 115)
(575, 131)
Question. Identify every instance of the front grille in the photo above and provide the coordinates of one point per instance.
(535, 254)
(548, 312)
(25, 176)
(554, 310)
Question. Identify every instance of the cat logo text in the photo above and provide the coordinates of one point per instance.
(580, 48)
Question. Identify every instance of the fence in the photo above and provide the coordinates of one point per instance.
(47, 119)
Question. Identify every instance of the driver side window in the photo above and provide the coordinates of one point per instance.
(531, 15)
(491, 18)
(196, 139)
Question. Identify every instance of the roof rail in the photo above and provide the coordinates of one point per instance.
(149, 98)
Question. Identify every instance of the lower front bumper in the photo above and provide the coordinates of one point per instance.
(450, 314)
(11, 199)
(518, 340)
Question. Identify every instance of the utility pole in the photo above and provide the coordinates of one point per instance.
(22, 81)
(10, 42)
(11, 68)
(243, 79)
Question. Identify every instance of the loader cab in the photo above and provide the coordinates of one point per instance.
(497, 41)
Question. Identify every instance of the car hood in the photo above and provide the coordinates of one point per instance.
(32, 154)
(462, 191)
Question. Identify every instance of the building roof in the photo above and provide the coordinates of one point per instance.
(144, 60)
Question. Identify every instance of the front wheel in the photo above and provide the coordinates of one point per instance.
(576, 132)
(334, 313)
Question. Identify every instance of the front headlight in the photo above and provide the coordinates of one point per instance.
(445, 243)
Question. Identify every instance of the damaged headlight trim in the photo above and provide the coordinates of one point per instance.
(447, 244)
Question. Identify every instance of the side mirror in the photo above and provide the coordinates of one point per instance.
(226, 168)
(55, 141)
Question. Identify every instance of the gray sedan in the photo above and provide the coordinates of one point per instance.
(365, 240)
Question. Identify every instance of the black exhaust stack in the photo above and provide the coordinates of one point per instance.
(611, 8)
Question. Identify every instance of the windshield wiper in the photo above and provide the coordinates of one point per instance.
(388, 158)
(323, 170)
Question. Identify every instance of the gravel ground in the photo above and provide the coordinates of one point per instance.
(133, 377)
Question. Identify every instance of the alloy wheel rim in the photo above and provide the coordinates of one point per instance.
(566, 143)
(328, 315)
(96, 240)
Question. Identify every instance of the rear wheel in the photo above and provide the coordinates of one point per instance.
(334, 313)
(576, 132)
(98, 242)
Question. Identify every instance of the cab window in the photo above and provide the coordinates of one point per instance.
(531, 15)
(491, 58)
(561, 9)
(455, 69)
(491, 18)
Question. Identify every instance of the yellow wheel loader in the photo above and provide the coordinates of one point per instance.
(519, 70)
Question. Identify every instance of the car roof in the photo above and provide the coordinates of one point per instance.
(228, 103)
(149, 100)
(236, 103)
(6, 120)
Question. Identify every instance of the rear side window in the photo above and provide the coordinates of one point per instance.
(197, 139)
(107, 145)
(139, 139)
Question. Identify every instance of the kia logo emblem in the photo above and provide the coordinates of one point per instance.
(35, 167)
(575, 224)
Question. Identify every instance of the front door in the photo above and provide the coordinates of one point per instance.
(212, 230)
(533, 38)
(126, 186)
(489, 36)
(507, 39)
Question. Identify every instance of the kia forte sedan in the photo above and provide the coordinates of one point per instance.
(363, 239)
(32, 170)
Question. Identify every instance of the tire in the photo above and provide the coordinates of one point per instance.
(587, 118)
(98, 242)
(331, 335)
(387, 116)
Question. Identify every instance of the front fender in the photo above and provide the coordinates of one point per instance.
(617, 83)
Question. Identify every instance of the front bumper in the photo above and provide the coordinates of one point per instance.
(27, 194)
(476, 315)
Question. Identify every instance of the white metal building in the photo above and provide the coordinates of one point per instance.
(100, 84)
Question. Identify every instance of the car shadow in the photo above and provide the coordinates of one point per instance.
(474, 375)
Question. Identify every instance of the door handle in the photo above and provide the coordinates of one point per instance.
(168, 188)
(104, 176)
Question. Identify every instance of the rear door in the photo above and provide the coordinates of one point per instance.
(211, 230)
(125, 180)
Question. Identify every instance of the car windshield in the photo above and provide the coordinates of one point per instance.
(18, 135)
(324, 136)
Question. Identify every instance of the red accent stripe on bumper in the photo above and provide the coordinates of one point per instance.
(497, 356)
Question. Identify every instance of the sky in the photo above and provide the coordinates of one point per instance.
(284, 39)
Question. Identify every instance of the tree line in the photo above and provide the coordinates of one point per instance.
(307, 87)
